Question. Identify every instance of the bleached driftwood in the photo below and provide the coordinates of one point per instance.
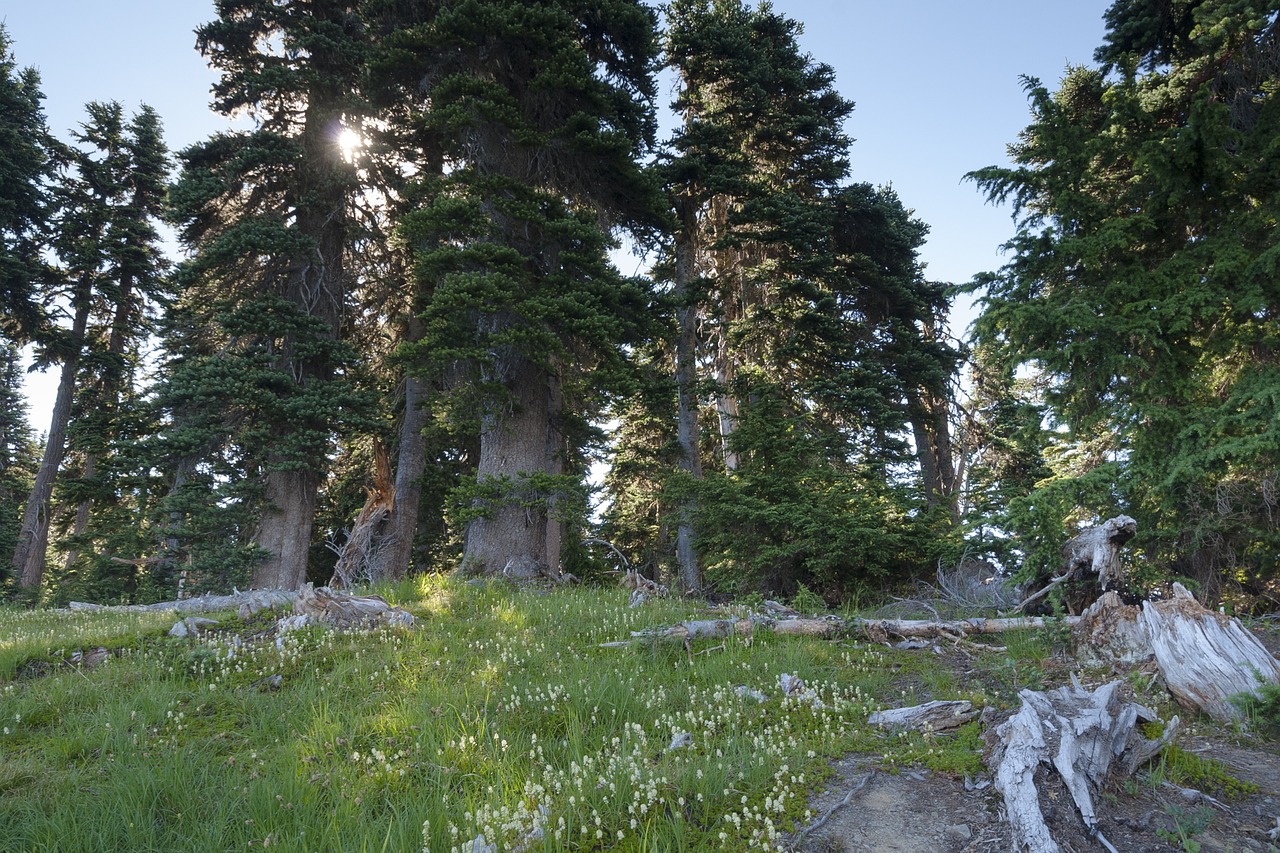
(686, 632)
(1095, 553)
(936, 716)
(340, 610)
(1084, 736)
(253, 600)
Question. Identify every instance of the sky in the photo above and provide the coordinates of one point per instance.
(937, 86)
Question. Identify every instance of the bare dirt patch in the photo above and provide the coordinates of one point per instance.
(865, 807)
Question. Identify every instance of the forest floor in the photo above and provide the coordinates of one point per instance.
(915, 809)
(509, 719)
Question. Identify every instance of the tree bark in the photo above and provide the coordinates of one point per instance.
(1080, 734)
(33, 536)
(929, 411)
(686, 376)
(285, 532)
(316, 283)
(395, 551)
(510, 537)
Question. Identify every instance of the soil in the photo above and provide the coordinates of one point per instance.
(917, 810)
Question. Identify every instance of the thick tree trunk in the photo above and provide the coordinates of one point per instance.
(316, 284)
(686, 376)
(395, 550)
(33, 536)
(285, 530)
(929, 411)
(510, 538)
(931, 430)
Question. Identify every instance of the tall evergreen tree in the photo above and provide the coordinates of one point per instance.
(804, 301)
(1143, 276)
(266, 293)
(17, 452)
(110, 420)
(26, 168)
(106, 200)
(543, 110)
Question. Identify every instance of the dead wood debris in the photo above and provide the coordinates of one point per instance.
(642, 589)
(938, 716)
(1085, 737)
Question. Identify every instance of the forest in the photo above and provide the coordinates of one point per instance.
(396, 339)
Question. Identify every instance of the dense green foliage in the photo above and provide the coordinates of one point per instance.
(398, 341)
(803, 313)
(1143, 287)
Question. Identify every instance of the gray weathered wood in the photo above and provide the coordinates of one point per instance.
(935, 716)
(1082, 735)
(1205, 657)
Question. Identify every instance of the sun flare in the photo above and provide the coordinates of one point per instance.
(349, 141)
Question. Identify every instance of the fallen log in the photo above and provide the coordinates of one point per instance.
(686, 632)
(877, 630)
(1083, 736)
(938, 716)
(340, 610)
(253, 599)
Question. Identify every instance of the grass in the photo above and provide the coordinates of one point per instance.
(498, 720)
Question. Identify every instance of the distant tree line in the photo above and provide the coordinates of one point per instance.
(397, 339)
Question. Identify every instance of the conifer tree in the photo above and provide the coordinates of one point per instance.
(542, 110)
(805, 299)
(1143, 279)
(17, 452)
(109, 420)
(259, 362)
(26, 168)
(107, 248)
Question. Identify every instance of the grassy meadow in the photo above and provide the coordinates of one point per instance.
(496, 724)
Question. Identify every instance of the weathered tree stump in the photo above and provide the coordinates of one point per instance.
(1091, 564)
(1083, 736)
(1204, 657)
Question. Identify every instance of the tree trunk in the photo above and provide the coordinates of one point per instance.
(686, 375)
(112, 381)
(510, 538)
(395, 552)
(929, 411)
(33, 536)
(285, 531)
(316, 284)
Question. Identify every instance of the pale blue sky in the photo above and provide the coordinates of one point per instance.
(936, 83)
